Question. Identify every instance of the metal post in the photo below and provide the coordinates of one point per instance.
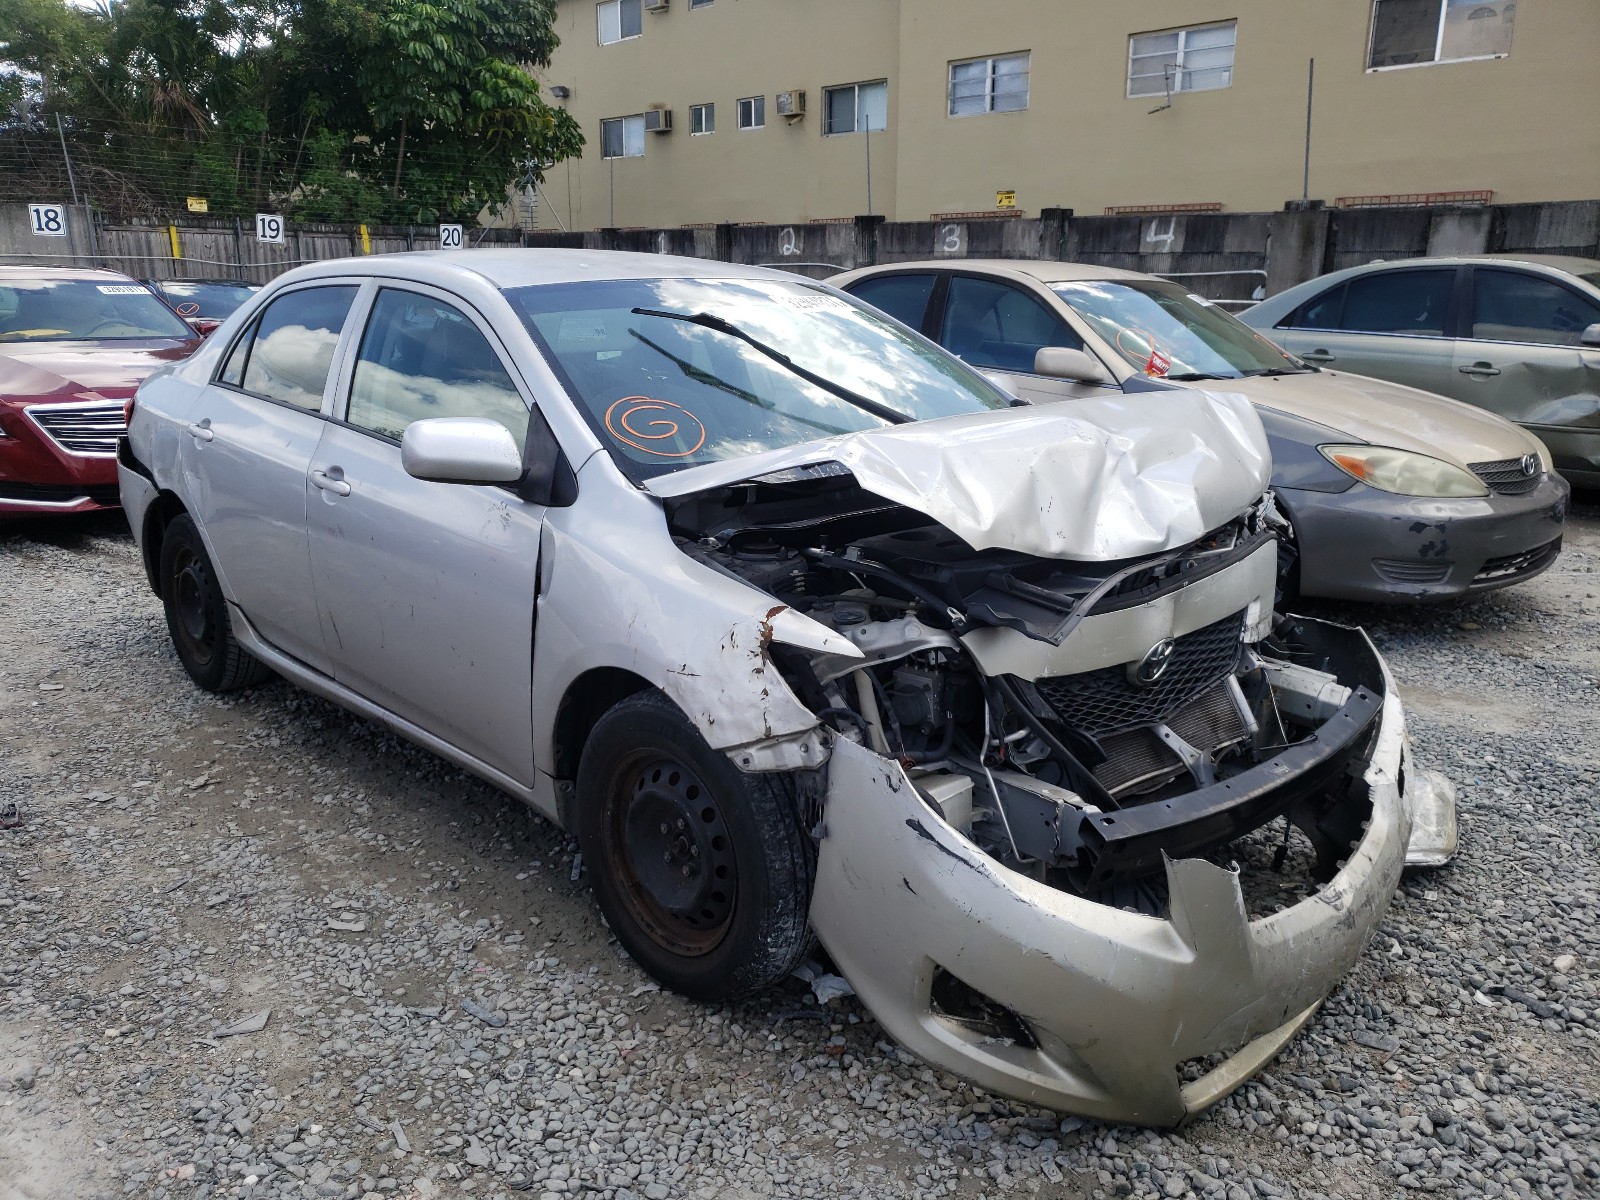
(1305, 179)
(71, 178)
(612, 223)
(868, 128)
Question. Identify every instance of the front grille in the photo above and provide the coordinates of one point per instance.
(1105, 701)
(91, 428)
(1401, 570)
(1508, 476)
(1514, 566)
(59, 493)
(1138, 757)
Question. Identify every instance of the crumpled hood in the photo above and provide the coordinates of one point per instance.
(36, 371)
(1096, 480)
(1391, 414)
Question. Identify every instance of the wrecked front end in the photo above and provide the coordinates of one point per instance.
(1043, 774)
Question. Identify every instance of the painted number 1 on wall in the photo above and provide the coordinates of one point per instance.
(269, 228)
(47, 220)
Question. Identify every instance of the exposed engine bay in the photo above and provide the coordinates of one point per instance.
(1028, 699)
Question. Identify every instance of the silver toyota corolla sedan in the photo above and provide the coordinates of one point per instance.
(802, 626)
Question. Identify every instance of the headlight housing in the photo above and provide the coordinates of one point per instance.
(1404, 472)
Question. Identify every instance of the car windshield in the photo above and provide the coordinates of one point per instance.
(83, 310)
(672, 373)
(193, 299)
(1164, 331)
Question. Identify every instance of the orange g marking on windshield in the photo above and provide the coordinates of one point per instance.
(638, 421)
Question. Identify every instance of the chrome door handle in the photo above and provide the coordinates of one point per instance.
(1317, 356)
(202, 430)
(1481, 369)
(329, 484)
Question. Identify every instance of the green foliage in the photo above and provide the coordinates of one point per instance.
(374, 110)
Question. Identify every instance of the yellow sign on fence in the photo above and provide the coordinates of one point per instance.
(1005, 198)
(199, 204)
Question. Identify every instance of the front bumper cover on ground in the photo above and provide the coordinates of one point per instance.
(1117, 1002)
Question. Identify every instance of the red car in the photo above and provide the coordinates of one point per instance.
(74, 346)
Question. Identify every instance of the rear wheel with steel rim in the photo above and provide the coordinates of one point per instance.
(703, 872)
(197, 614)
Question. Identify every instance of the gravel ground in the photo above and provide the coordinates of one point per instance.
(445, 1013)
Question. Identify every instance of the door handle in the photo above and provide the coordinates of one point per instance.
(329, 484)
(202, 430)
(1317, 356)
(1481, 369)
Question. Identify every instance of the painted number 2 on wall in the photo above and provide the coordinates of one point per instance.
(269, 228)
(47, 220)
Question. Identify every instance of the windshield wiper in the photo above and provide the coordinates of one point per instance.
(1270, 372)
(1191, 376)
(710, 321)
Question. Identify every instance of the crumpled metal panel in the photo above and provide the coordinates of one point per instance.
(1095, 480)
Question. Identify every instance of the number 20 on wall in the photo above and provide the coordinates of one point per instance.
(47, 220)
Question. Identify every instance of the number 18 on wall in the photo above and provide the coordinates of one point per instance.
(47, 220)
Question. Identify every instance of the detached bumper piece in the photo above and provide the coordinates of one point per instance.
(1050, 997)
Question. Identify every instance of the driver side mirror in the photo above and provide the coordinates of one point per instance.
(204, 326)
(1079, 366)
(1590, 336)
(460, 450)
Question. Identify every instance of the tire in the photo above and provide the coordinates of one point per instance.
(197, 614)
(703, 872)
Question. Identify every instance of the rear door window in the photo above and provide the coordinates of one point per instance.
(998, 326)
(421, 358)
(1513, 306)
(1324, 312)
(290, 351)
(903, 297)
(1414, 303)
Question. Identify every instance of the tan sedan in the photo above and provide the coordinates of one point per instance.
(1393, 493)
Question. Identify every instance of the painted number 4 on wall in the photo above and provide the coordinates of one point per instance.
(450, 237)
(47, 220)
(269, 228)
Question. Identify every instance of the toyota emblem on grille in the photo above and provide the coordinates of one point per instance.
(1530, 465)
(1154, 664)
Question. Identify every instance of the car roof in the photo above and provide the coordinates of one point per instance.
(519, 267)
(17, 271)
(1570, 263)
(1041, 270)
(208, 279)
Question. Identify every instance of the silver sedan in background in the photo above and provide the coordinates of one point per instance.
(1392, 493)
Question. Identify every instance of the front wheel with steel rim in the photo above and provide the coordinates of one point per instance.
(703, 872)
(197, 614)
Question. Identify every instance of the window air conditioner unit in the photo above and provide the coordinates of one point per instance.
(658, 120)
(655, 5)
(791, 104)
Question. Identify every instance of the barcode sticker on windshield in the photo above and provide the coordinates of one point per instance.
(120, 289)
(813, 300)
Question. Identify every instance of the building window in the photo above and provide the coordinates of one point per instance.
(752, 112)
(699, 3)
(702, 118)
(983, 85)
(622, 137)
(1409, 33)
(1181, 60)
(855, 107)
(619, 20)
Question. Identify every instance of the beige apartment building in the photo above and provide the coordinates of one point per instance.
(778, 111)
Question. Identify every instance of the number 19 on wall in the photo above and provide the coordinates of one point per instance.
(269, 228)
(47, 220)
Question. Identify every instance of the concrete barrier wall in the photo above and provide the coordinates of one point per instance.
(1229, 257)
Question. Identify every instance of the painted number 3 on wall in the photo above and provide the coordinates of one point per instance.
(47, 220)
(269, 228)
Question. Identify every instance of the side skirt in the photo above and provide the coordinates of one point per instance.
(541, 796)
